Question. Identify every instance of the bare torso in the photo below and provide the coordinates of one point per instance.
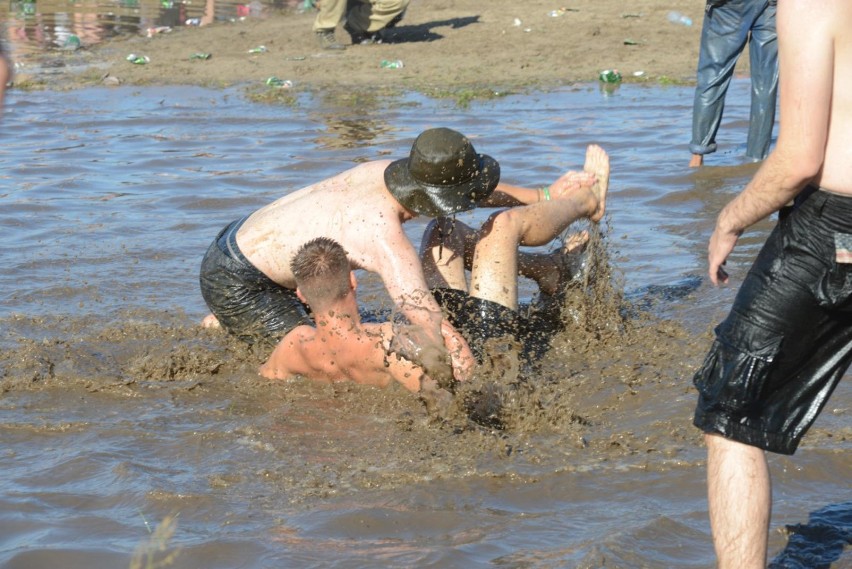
(836, 174)
(342, 350)
(354, 208)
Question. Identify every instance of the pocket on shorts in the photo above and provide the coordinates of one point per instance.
(735, 370)
(833, 290)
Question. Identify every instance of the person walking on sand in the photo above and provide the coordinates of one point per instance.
(340, 347)
(728, 26)
(246, 279)
(788, 338)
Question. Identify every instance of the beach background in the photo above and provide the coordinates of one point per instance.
(129, 436)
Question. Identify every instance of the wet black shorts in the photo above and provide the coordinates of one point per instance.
(247, 303)
(788, 338)
(481, 320)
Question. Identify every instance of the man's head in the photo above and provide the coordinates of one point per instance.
(443, 174)
(322, 272)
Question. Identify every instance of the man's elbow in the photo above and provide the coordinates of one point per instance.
(800, 165)
(808, 167)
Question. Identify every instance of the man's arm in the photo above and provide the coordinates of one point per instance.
(507, 195)
(806, 58)
(400, 268)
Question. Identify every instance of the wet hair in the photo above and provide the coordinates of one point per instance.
(321, 268)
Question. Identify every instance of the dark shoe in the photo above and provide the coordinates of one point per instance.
(327, 41)
(370, 39)
(362, 38)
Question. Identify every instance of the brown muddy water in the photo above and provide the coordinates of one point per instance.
(124, 427)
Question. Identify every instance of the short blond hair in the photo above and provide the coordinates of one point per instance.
(321, 268)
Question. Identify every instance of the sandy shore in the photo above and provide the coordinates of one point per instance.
(446, 46)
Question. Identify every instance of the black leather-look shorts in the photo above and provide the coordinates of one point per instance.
(788, 338)
(247, 303)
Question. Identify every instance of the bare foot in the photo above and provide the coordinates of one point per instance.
(597, 163)
(566, 263)
(696, 161)
(571, 182)
(210, 321)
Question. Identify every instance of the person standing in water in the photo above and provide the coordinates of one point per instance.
(788, 338)
(728, 26)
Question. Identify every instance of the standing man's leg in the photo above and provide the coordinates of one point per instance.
(740, 499)
(366, 18)
(331, 12)
(763, 55)
(723, 38)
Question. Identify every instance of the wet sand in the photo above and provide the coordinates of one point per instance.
(457, 48)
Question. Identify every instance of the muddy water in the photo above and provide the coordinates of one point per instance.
(124, 427)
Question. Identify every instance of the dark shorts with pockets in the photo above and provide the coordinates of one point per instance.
(787, 341)
(247, 303)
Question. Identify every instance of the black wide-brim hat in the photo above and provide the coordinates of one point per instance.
(443, 175)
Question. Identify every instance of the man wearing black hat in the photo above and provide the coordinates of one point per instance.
(246, 278)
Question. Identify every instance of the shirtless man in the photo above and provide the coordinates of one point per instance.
(246, 279)
(788, 338)
(340, 347)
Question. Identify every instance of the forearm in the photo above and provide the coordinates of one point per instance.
(772, 187)
(507, 195)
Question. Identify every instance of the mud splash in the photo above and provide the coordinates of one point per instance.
(576, 407)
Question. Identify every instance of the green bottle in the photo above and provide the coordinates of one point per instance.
(610, 76)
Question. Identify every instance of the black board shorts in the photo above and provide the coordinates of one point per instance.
(787, 341)
(247, 303)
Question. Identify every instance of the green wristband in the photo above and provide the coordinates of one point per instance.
(546, 191)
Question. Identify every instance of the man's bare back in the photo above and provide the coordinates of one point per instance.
(341, 350)
(353, 207)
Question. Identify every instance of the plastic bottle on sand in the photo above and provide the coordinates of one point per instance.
(678, 18)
